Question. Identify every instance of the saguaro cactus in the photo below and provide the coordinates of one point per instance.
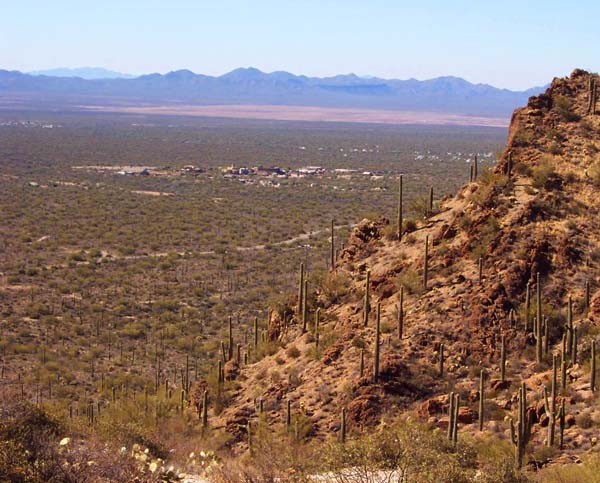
(426, 263)
(527, 306)
(593, 367)
(503, 359)
(561, 424)
(332, 254)
(587, 295)
(550, 405)
(453, 407)
(509, 164)
(481, 399)
(343, 427)
(255, 332)
(401, 313)
(450, 416)
(376, 349)
(570, 329)
(441, 358)
(301, 290)
(563, 368)
(305, 307)
(400, 220)
(366, 303)
(475, 168)
(480, 270)
(520, 433)
(317, 317)
(430, 207)
(230, 349)
(361, 367)
(538, 321)
(592, 96)
(205, 409)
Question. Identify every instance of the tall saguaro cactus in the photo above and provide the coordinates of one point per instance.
(401, 313)
(593, 367)
(538, 321)
(343, 427)
(570, 329)
(400, 217)
(426, 263)
(520, 433)
(301, 290)
(230, 348)
(366, 303)
(255, 332)
(503, 359)
(481, 399)
(527, 306)
(332, 254)
(592, 96)
(317, 320)
(305, 307)
(376, 348)
(550, 405)
(430, 205)
(453, 407)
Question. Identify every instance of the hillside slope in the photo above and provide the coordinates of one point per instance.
(535, 213)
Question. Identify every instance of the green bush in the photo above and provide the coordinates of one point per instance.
(564, 107)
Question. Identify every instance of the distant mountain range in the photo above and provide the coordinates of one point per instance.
(90, 73)
(251, 86)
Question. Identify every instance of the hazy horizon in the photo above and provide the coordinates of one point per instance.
(510, 45)
(74, 69)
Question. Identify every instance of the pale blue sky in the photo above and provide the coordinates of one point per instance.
(513, 44)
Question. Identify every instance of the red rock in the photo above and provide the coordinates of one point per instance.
(467, 415)
(432, 407)
(498, 385)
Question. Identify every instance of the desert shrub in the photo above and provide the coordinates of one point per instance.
(33, 450)
(409, 225)
(275, 456)
(543, 176)
(402, 447)
(522, 137)
(496, 462)
(487, 233)
(390, 232)
(410, 280)
(555, 149)
(594, 172)
(588, 470)
(335, 285)
(293, 352)
(584, 420)
(564, 108)
(419, 205)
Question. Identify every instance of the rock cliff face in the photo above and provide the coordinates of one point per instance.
(535, 213)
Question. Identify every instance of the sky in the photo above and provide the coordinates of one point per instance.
(510, 44)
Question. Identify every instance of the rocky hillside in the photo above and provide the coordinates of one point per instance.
(469, 274)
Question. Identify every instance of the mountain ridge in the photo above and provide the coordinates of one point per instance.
(251, 86)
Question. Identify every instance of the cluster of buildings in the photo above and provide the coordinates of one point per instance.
(276, 172)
